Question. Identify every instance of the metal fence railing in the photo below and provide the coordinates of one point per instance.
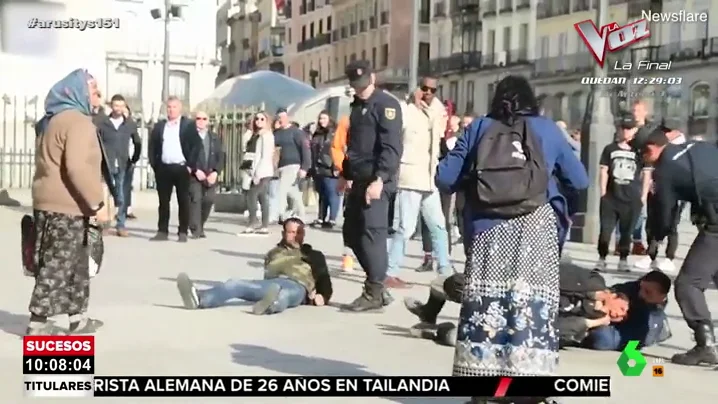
(17, 142)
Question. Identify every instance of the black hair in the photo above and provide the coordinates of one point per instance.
(513, 97)
(117, 97)
(659, 278)
(295, 220)
(622, 296)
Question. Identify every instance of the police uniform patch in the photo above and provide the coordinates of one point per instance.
(390, 113)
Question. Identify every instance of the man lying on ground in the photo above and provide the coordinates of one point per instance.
(591, 315)
(294, 274)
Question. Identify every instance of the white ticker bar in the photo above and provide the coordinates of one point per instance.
(58, 386)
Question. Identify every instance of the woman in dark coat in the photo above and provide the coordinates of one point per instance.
(325, 174)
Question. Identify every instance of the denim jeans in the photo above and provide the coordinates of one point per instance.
(119, 180)
(273, 200)
(288, 191)
(329, 198)
(409, 204)
(292, 294)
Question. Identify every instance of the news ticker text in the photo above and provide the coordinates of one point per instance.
(300, 386)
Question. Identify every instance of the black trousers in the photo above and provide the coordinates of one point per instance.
(626, 214)
(653, 218)
(129, 176)
(201, 200)
(699, 270)
(258, 193)
(365, 231)
(172, 177)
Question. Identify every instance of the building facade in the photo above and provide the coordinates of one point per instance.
(252, 37)
(309, 52)
(691, 47)
(477, 42)
(134, 55)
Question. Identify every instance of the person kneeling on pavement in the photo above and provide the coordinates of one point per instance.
(294, 274)
(646, 320)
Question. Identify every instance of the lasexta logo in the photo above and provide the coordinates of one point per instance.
(611, 36)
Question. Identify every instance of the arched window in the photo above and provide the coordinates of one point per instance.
(179, 86)
(550, 107)
(674, 101)
(700, 100)
(576, 107)
(127, 81)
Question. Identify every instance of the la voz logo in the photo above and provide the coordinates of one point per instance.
(611, 37)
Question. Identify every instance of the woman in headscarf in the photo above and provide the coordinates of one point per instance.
(510, 300)
(66, 194)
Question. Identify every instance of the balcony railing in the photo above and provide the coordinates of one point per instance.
(581, 5)
(302, 9)
(384, 18)
(465, 5)
(372, 22)
(317, 41)
(335, 35)
(455, 62)
(489, 9)
(523, 4)
(574, 63)
(440, 9)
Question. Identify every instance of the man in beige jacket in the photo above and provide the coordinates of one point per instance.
(424, 125)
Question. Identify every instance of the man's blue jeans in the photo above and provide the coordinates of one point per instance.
(292, 294)
(409, 204)
(119, 180)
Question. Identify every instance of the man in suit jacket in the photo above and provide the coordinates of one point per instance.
(171, 158)
(208, 156)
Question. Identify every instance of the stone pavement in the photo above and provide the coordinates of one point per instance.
(147, 333)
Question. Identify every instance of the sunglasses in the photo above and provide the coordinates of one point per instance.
(428, 89)
(201, 118)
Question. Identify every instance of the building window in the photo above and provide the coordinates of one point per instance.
(507, 39)
(700, 100)
(470, 97)
(289, 36)
(329, 69)
(329, 23)
(128, 83)
(179, 86)
(385, 55)
(346, 62)
(373, 57)
(576, 109)
(440, 91)
(491, 43)
(311, 30)
(363, 55)
(321, 27)
(304, 33)
(490, 88)
(424, 53)
(453, 91)
(352, 57)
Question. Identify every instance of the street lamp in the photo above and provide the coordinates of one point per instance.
(170, 11)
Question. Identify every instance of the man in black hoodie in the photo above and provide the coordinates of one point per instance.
(117, 132)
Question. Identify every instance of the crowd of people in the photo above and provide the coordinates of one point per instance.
(396, 168)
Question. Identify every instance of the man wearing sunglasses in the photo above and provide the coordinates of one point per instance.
(209, 161)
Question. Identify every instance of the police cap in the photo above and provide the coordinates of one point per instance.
(359, 73)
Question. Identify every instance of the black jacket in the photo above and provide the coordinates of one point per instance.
(320, 272)
(321, 147)
(106, 167)
(117, 141)
(196, 154)
(154, 143)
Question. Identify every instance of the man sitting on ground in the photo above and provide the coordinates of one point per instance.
(294, 274)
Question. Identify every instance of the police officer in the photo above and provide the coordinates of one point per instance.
(371, 164)
(689, 173)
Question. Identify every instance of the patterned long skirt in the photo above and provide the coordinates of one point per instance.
(510, 300)
(62, 283)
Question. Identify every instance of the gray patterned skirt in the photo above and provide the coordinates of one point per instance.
(510, 301)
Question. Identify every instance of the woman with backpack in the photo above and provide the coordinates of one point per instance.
(325, 174)
(258, 166)
(515, 223)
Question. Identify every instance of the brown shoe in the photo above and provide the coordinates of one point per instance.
(639, 249)
(395, 283)
(122, 233)
(131, 216)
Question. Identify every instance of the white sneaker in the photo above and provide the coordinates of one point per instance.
(666, 265)
(623, 266)
(644, 263)
(600, 265)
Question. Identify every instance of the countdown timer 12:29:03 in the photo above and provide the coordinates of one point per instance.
(648, 81)
(72, 365)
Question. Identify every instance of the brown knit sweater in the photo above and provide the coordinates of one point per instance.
(68, 177)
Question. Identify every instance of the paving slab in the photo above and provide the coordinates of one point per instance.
(148, 333)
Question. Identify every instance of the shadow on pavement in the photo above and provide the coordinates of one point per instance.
(261, 257)
(270, 359)
(198, 282)
(395, 330)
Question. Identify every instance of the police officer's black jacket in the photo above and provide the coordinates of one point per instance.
(688, 173)
(374, 145)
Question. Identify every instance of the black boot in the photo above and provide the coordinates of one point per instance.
(428, 312)
(705, 350)
(371, 299)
